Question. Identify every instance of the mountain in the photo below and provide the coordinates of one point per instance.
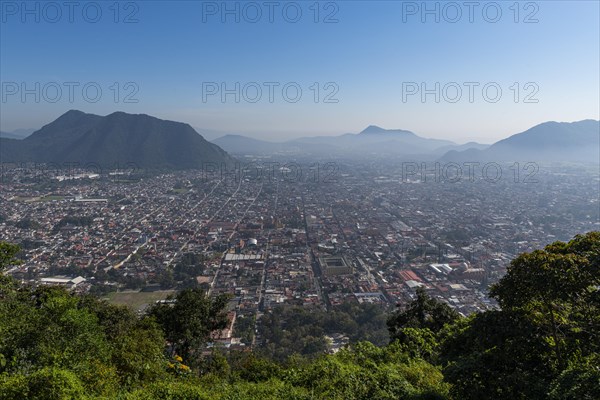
(373, 141)
(550, 141)
(379, 140)
(242, 144)
(376, 130)
(462, 147)
(211, 134)
(116, 140)
(8, 135)
(17, 134)
(23, 133)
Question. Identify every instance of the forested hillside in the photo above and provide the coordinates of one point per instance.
(543, 343)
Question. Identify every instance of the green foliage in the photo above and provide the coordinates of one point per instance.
(188, 319)
(423, 312)
(416, 327)
(7, 255)
(244, 328)
(27, 223)
(215, 364)
(45, 384)
(45, 327)
(271, 390)
(542, 344)
(49, 329)
(418, 343)
(580, 381)
(73, 220)
(559, 286)
(13, 387)
(497, 355)
(550, 319)
(366, 371)
(249, 367)
(165, 390)
(289, 330)
(138, 353)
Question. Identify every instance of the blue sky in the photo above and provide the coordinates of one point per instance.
(371, 61)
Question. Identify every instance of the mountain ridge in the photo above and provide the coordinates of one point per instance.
(577, 141)
(377, 130)
(18, 134)
(115, 139)
(373, 140)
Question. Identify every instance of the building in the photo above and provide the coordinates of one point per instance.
(335, 265)
(69, 283)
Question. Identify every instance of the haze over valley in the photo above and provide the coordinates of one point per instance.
(299, 200)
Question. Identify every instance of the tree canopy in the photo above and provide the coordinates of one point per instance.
(188, 319)
(547, 329)
(8, 254)
(541, 343)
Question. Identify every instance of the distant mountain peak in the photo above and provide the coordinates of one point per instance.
(235, 136)
(129, 115)
(377, 130)
(373, 129)
(118, 113)
(73, 112)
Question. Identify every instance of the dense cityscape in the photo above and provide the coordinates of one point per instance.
(273, 233)
(299, 200)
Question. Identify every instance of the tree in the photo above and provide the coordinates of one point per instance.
(7, 255)
(559, 287)
(165, 279)
(580, 381)
(252, 368)
(44, 384)
(496, 355)
(188, 319)
(137, 343)
(59, 334)
(44, 327)
(424, 312)
(546, 333)
(365, 371)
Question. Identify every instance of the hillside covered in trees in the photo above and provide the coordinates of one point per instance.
(543, 343)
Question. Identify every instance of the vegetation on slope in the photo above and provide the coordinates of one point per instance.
(543, 343)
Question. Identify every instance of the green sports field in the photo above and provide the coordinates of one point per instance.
(137, 300)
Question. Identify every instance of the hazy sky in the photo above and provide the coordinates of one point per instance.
(374, 58)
